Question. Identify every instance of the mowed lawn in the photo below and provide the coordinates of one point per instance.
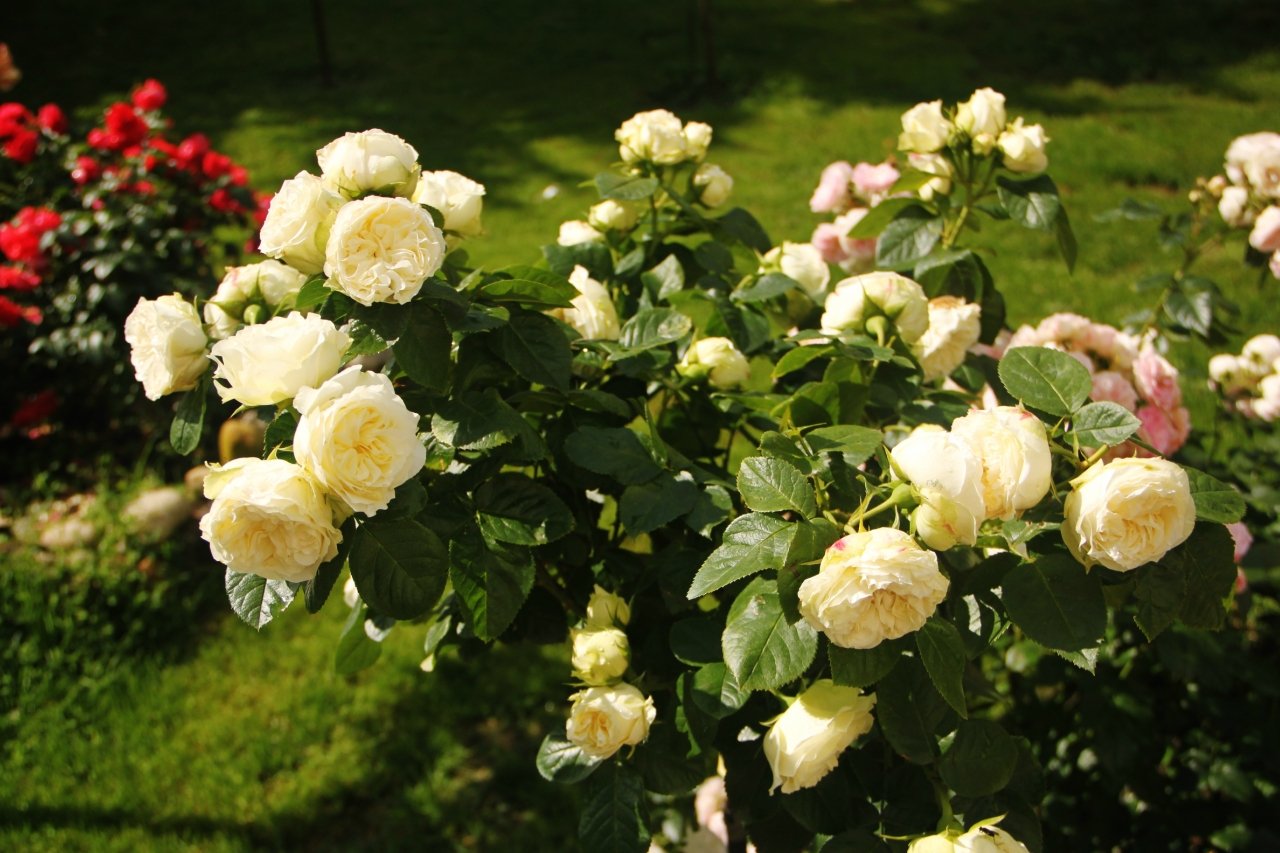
(248, 740)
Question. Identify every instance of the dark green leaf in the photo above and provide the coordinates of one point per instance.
(1032, 203)
(1215, 500)
(762, 650)
(316, 590)
(355, 651)
(752, 543)
(769, 484)
(561, 761)
(188, 420)
(942, 652)
(855, 443)
(614, 452)
(533, 287)
(908, 710)
(664, 279)
(696, 641)
(313, 293)
(765, 287)
(911, 235)
(654, 327)
(881, 215)
(648, 506)
(537, 349)
(280, 431)
(1046, 379)
(594, 255)
(796, 359)
(713, 257)
(255, 599)
(714, 505)
(1067, 246)
(613, 818)
(716, 691)
(980, 760)
(1189, 583)
(1104, 423)
(1056, 603)
(625, 187)
(744, 228)
(423, 351)
(492, 583)
(399, 566)
(862, 667)
(513, 508)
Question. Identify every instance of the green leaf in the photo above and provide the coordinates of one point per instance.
(743, 227)
(855, 443)
(1032, 203)
(664, 279)
(492, 583)
(762, 650)
(280, 431)
(477, 421)
(752, 543)
(614, 452)
(769, 484)
(613, 819)
(796, 359)
(811, 541)
(1046, 379)
(595, 256)
(648, 506)
(549, 292)
(561, 761)
(980, 760)
(713, 257)
(424, 350)
(255, 599)
(513, 508)
(1104, 423)
(365, 339)
(188, 420)
(862, 667)
(942, 652)
(1189, 583)
(714, 505)
(399, 566)
(1215, 500)
(537, 349)
(881, 215)
(312, 295)
(625, 187)
(654, 327)
(716, 691)
(316, 590)
(765, 287)
(1056, 603)
(909, 709)
(696, 641)
(355, 651)
(911, 235)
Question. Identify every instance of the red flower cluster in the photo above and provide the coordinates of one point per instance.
(20, 243)
(20, 129)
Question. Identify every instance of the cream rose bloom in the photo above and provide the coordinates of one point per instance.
(1128, 512)
(1255, 159)
(1013, 450)
(924, 128)
(600, 655)
(801, 262)
(804, 744)
(714, 185)
(1234, 208)
(656, 136)
(369, 161)
(948, 475)
(382, 250)
(459, 199)
(166, 345)
(575, 232)
(357, 438)
(605, 719)
(269, 518)
(299, 217)
(983, 118)
(987, 838)
(697, 139)
(269, 363)
(1265, 236)
(1023, 147)
(593, 314)
(871, 587)
(954, 326)
(270, 283)
(610, 215)
(605, 609)
(939, 167)
(858, 299)
(717, 360)
(1231, 374)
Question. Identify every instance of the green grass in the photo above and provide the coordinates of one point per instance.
(250, 741)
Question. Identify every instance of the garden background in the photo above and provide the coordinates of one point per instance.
(209, 736)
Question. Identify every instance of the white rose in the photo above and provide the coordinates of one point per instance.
(382, 250)
(600, 655)
(369, 161)
(1265, 236)
(269, 363)
(948, 474)
(1023, 147)
(801, 262)
(593, 314)
(1234, 207)
(610, 215)
(296, 229)
(954, 326)
(1267, 405)
(656, 136)
(459, 199)
(939, 167)
(871, 587)
(1013, 450)
(983, 118)
(605, 609)
(575, 232)
(697, 139)
(1260, 352)
(166, 345)
(357, 438)
(717, 360)
(804, 744)
(1255, 159)
(1230, 374)
(268, 518)
(859, 298)
(1128, 512)
(986, 838)
(350, 595)
(714, 184)
(924, 128)
(269, 282)
(605, 719)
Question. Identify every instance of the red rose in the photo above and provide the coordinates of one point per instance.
(192, 150)
(13, 117)
(42, 219)
(11, 313)
(144, 188)
(34, 410)
(15, 278)
(52, 119)
(124, 123)
(215, 165)
(151, 95)
(20, 243)
(21, 147)
(223, 201)
(239, 176)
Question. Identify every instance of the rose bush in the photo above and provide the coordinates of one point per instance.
(784, 535)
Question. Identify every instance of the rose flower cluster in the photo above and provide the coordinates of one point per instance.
(1250, 382)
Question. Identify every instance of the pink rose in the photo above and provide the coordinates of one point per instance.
(1113, 387)
(1064, 327)
(832, 241)
(1265, 236)
(1274, 264)
(826, 239)
(709, 804)
(1157, 380)
(869, 180)
(1082, 358)
(833, 193)
(1165, 431)
(1242, 537)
